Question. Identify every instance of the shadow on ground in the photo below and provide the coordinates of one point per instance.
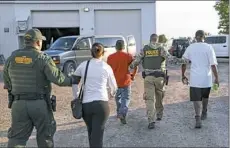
(175, 130)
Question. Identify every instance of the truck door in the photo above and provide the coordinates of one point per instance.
(83, 49)
(131, 45)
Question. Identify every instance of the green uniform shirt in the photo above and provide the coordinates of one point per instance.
(45, 64)
(164, 53)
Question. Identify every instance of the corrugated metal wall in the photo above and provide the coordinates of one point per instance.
(9, 13)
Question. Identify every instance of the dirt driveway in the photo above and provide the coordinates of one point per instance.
(175, 130)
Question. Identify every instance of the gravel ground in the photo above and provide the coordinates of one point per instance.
(175, 130)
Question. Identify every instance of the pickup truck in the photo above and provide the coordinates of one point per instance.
(69, 51)
(220, 44)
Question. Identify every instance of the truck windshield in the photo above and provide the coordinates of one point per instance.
(63, 43)
(108, 42)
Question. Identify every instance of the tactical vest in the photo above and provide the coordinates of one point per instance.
(153, 59)
(25, 73)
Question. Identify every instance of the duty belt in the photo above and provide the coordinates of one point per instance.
(155, 73)
(30, 97)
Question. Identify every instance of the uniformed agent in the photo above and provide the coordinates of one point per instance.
(153, 59)
(28, 74)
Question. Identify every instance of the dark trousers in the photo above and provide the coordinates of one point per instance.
(95, 115)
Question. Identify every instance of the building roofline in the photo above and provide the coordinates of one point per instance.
(73, 1)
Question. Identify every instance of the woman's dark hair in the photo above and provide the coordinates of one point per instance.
(97, 50)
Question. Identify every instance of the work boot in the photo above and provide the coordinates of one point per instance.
(151, 125)
(198, 122)
(204, 115)
(158, 119)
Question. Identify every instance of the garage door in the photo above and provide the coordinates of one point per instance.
(55, 19)
(124, 22)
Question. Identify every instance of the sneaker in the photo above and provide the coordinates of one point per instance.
(198, 122)
(119, 116)
(123, 120)
(151, 125)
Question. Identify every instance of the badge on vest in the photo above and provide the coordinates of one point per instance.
(152, 53)
(23, 60)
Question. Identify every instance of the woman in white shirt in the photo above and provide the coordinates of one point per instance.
(95, 96)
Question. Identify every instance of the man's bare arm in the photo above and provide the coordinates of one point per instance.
(183, 69)
(135, 71)
(215, 73)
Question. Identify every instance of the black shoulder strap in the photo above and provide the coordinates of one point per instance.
(86, 70)
(83, 85)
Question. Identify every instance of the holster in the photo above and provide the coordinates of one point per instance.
(53, 103)
(166, 77)
(143, 75)
(10, 99)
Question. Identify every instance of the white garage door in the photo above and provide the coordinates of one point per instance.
(115, 22)
(55, 19)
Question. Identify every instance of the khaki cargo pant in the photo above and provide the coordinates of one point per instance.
(153, 96)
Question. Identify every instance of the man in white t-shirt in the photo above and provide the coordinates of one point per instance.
(203, 63)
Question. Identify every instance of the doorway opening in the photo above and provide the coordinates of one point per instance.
(52, 34)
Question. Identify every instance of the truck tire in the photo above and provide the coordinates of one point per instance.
(69, 68)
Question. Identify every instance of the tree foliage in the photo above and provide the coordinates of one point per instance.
(162, 38)
(222, 7)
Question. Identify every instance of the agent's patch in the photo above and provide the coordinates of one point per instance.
(28, 36)
(23, 60)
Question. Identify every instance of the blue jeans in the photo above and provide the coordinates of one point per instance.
(122, 100)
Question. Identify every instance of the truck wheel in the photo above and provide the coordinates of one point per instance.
(69, 68)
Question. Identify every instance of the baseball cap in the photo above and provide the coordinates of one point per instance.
(200, 33)
(33, 35)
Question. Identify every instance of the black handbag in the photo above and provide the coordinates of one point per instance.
(76, 104)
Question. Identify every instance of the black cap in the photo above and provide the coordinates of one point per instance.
(33, 35)
(200, 33)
